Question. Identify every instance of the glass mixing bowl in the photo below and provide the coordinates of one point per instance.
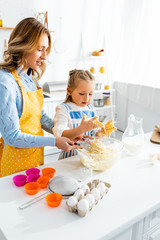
(100, 160)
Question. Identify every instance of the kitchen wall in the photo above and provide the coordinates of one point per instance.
(78, 25)
(126, 28)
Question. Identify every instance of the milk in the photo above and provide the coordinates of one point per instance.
(133, 145)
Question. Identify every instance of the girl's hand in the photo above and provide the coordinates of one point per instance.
(99, 133)
(88, 125)
(65, 144)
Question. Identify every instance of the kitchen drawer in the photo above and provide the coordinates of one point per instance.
(152, 226)
(148, 228)
(152, 221)
(153, 234)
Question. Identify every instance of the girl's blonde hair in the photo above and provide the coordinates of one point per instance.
(74, 77)
(24, 39)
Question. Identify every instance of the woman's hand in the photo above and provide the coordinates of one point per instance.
(65, 144)
(88, 125)
(82, 138)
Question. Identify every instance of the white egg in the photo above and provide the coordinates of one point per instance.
(79, 194)
(85, 188)
(90, 198)
(96, 193)
(101, 186)
(72, 201)
(83, 205)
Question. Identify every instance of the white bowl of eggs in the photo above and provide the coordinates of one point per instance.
(101, 153)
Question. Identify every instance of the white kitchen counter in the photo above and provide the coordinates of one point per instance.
(134, 194)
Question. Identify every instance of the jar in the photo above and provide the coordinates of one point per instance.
(102, 69)
(107, 100)
(106, 87)
(92, 70)
(133, 136)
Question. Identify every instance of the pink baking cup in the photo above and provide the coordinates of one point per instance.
(32, 171)
(33, 177)
(20, 180)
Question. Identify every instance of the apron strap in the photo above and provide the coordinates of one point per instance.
(35, 82)
(17, 77)
(1, 151)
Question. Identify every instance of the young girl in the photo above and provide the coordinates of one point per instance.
(70, 119)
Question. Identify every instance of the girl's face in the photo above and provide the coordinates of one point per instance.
(82, 94)
(36, 57)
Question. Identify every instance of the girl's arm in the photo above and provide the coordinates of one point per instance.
(62, 126)
(85, 126)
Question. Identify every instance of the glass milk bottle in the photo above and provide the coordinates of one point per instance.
(133, 136)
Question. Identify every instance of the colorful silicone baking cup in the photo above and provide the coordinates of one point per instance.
(32, 188)
(20, 180)
(43, 181)
(48, 172)
(53, 199)
(33, 177)
(32, 171)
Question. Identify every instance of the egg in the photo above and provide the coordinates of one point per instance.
(91, 200)
(72, 201)
(85, 188)
(96, 194)
(83, 205)
(79, 194)
(101, 186)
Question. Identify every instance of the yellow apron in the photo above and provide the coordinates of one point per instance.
(13, 159)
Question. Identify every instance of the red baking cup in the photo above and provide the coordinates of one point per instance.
(33, 177)
(32, 188)
(48, 172)
(43, 181)
(53, 199)
(32, 171)
(20, 180)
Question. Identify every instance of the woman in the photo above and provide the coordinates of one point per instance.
(21, 100)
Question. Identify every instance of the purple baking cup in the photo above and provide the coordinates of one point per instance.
(33, 177)
(32, 171)
(20, 180)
